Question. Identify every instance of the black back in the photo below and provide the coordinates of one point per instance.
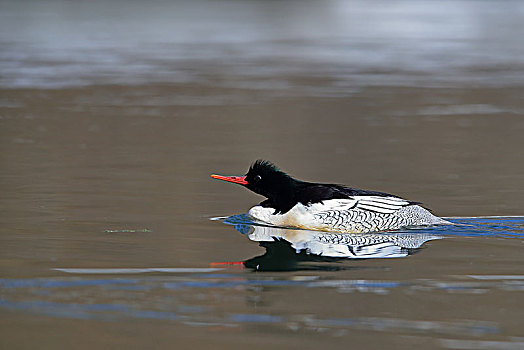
(283, 192)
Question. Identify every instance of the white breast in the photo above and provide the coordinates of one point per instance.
(298, 216)
(301, 215)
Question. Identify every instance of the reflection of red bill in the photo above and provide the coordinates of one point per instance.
(231, 264)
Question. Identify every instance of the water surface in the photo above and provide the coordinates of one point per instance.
(113, 115)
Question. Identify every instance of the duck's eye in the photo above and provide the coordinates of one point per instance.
(258, 178)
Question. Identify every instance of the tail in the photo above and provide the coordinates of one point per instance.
(447, 222)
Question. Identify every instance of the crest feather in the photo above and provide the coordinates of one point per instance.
(264, 164)
(261, 166)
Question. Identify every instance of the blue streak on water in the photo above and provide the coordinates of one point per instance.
(85, 311)
(216, 275)
(201, 284)
(476, 328)
(377, 284)
(255, 318)
(507, 227)
(239, 219)
(53, 305)
(277, 283)
(451, 288)
(280, 283)
(231, 284)
(64, 310)
(130, 288)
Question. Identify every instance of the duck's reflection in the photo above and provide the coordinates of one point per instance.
(286, 249)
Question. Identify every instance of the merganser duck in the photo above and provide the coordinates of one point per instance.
(326, 207)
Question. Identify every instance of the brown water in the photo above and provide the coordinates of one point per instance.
(113, 115)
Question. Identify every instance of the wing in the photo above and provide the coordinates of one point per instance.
(380, 204)
(376, 204)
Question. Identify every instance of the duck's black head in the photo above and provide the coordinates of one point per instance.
(264, 178)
